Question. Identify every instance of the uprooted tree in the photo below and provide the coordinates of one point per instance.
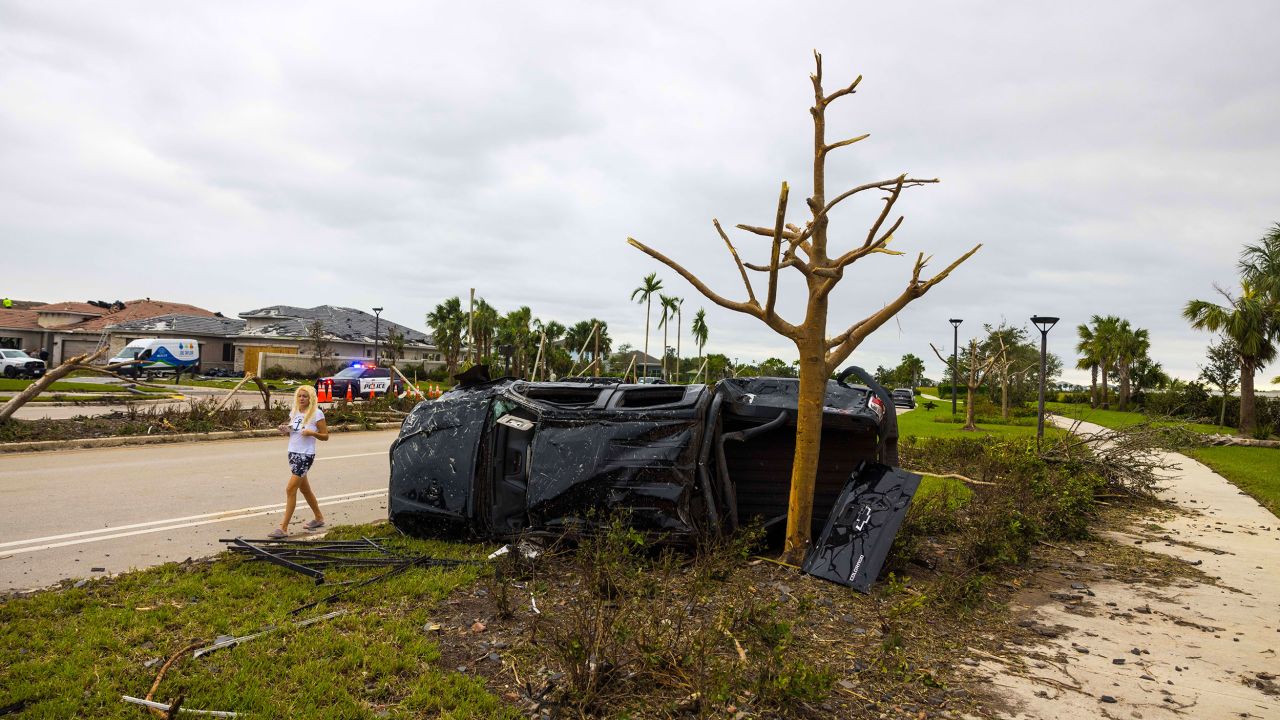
(805, 250)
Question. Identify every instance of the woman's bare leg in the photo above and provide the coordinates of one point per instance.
(310, 497)
(290, 500)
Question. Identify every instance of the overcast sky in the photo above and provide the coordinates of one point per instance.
(1113, 157)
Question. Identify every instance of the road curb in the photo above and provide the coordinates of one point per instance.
(126, 440)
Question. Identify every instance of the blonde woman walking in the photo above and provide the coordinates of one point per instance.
(306, 425)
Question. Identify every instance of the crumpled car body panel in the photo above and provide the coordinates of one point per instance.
(504, 458)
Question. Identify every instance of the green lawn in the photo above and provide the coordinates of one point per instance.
(923, 422)
(74, 652)
(1119, 419)
(16, 385)
(1255, 470)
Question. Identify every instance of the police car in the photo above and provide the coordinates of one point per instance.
(361, 378)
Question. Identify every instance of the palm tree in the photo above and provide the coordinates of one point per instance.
(576, 338)
(1087, 347)
(447, 322)
(667, 306)
(678, 303)
(1260, 263)
(1252, 320)
(1131, 344)
(484, 323)
(602, 345)
(700, 335)
(644, 294)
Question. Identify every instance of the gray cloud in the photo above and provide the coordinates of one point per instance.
(1111, 157)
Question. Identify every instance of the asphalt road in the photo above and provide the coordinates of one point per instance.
(66, 514)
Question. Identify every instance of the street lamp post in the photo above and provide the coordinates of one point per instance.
(1043, 324)
(377, 325)
(955, 359)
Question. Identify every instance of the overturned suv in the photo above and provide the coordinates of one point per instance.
(503, 458)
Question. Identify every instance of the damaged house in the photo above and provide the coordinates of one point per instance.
(506, 458)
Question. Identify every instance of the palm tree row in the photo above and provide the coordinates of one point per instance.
(1109, 346)
(1251, 318)
(517, 338)
(671, 308)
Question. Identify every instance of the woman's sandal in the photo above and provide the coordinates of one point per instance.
(277, 534)
(314, 525)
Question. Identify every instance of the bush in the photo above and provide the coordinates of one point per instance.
(1021, 499)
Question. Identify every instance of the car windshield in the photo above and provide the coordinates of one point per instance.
(129, 352)
(15, 354)
(349, 373)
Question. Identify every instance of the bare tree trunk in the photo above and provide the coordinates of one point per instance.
(1093, 385)
(1004, 392)
(1106, 401)
(647, 311)
(1124, 387)
(679, 327)
(804, 467)
(969, 414)
(1248, 422)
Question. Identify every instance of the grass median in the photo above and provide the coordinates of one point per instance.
(74, 652)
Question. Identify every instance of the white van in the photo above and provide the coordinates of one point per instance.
(161, 354)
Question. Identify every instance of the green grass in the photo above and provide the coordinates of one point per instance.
(74, 652)
(937, 422)
(1252, 469)
(13, 384)
(1117, 419)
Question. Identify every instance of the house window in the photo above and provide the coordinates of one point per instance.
(11, 343)
(227, 351)
(368, 352)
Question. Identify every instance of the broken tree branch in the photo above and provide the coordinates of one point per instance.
(66, 368)
(842, 345)
(778, 227)
(780, 326)
(751, 295)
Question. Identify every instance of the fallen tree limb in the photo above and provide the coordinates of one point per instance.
(969, 480)
(75, 363)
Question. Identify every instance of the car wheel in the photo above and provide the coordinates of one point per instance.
(10, 371)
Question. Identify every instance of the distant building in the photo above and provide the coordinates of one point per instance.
(283, 330)
(67, 329)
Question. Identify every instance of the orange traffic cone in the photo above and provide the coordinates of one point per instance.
(349, 398)
(326, 391)
(370, 393)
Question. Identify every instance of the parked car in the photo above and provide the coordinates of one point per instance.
(904, 397)
(507, 458)
(363, 377)
(16, 363)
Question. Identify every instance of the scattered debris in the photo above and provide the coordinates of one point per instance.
(313, 557)
(226, 641)
(169, 710)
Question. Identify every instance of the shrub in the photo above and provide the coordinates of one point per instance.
(1018, 498)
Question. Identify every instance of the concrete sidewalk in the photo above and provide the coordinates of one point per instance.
(1203, 650)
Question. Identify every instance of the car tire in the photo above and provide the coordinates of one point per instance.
(10, 371)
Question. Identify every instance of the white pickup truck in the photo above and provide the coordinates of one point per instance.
(15, 363)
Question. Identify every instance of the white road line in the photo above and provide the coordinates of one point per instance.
(340, 457)
(222, 515)
(51, 546)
